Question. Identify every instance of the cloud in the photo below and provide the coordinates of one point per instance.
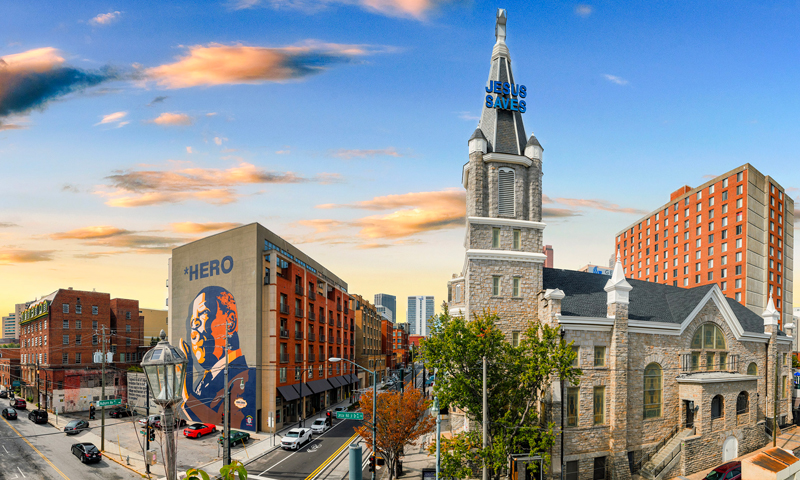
(137, 188)
(31, 79)
(219, 140)
(283, 152)
(450, 199)
(168, 118)
(158, 99)
(68, 187)
(107, 253)
(594, 204)
(348, 154)
(87, 233)
(105, 18)
(468, 116)
(217, 64)
(111, 118)
(417, 9)
(189, 150)
(8, 225)
(615, 79)
(11, 257)
(192, 227)
(583, 10)
(11, 126)
(559, 213)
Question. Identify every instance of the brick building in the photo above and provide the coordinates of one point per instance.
(61, 332)
(735, 230)
(286, 316)
(9, 367)
(387, 346)
(675, 379)
(368, 339)
(400, 344)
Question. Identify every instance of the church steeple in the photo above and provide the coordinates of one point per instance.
(504, 103)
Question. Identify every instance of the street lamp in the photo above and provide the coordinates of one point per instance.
(374, 408)
(165, 369)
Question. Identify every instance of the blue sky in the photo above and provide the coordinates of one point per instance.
(225, 112)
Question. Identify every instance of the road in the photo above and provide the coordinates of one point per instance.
(302, 463)
(44, 453)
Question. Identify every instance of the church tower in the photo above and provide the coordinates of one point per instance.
(503, 261)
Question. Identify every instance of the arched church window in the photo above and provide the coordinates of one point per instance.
(505, 204)
(709, 336)
(708, 340)
(717, 407)
(652, 391)
(752, 369)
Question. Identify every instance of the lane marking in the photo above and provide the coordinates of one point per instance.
(37, 451)
(20, 471)
(330, 459)
(4, 448)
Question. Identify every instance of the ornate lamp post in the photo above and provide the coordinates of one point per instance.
(165, 369)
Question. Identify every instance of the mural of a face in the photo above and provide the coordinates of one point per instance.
(210, 309)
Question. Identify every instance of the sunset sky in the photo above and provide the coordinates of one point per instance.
(129, 128)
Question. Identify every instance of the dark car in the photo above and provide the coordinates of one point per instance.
(38, 416)
(236, 437)
(9, 413)
(19, 403)
(87, 452)
(76, 426)
(3, 394)
(726, 471)
(119, 412)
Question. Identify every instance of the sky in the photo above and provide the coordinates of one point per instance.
(129, 128)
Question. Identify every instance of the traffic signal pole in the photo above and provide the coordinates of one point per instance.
(103, 395)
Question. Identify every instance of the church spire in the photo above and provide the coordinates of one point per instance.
(504, 103)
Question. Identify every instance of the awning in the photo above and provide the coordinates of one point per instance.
(318, 386)
(335, 381)
(289, 393)
(353, 378)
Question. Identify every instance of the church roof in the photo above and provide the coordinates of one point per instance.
(649, 301)
(503, 129)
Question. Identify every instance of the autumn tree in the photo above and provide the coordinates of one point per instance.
(517, 380)
(401, 420)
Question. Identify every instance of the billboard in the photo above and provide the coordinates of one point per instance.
(212, 292)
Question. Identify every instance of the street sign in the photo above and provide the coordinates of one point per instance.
(109, 402)
(350, 415)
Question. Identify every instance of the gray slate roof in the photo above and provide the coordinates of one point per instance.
(650, 302)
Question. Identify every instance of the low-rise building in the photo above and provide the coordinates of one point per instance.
(9, 368)
(368, 339)
(400, 343)
(154, 321)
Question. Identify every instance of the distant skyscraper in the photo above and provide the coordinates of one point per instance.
(388, 301)
(420, 310)
(384, 312)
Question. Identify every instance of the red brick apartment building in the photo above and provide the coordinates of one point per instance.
(400, 344)
(735, 231)
(9, 367)
(60, 334)
(387, 347)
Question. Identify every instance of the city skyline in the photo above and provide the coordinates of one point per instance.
(148, 146)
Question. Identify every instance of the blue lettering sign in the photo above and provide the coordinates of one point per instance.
(204, 270)
(501, 101)
(230, 264)
(210, 268)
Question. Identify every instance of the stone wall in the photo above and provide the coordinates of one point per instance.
(705, 451)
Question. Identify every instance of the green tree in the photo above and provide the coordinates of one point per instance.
(517, 380)
(234, 471)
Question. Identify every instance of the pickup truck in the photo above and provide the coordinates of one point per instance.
(296, 438)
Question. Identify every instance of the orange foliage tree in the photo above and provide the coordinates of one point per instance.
(401, 420)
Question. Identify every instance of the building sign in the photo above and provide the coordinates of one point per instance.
(506, 98)
(210, 268)
(35, 311)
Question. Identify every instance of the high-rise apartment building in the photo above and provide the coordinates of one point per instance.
(420, 310)
(388, 302)
(735, 230)
(10, 330)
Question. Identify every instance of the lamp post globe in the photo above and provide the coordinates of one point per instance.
(165, 369)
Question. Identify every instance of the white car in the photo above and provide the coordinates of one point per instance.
(319, 426)
(339, 409)
(296, 438)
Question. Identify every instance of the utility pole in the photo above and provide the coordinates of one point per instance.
(37, 382)
(775, 407)
(438, 434)
(485, 420)
(103, 393)
(147, 427)
(226, 430)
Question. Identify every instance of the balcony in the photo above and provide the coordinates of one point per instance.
(311, 357)
(330, 322)
(346, 310)
(298, 358)
(352, 342)
(339, 341)
(298, 335)
(284, 309)
(322, 338)
(284, 333)
(312, 317)
(339, 307)
(298, 289)
(338, 323)
(284, 358)
(312, 337)
(298, 312)
(312, 295)
(352, 327)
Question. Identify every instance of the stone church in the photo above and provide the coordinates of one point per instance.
(675, 380)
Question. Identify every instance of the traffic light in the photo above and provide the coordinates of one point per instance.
(329, 418)
(152, 434)
(372, 463)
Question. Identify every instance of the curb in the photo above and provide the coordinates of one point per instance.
(129, 467)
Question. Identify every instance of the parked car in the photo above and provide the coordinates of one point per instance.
(152, 419)
(119, 412)
(339, 409)
(320, 425)
(9, 413)
(38, 416)
(3, 394)
(236, 437)
(296, 438)
(76, 426)
(197, 430)
(727, 471)
(86, 452)
(179, 422)
(19, 403)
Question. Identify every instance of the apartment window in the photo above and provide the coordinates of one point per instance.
(514, 339)
(710, 276)
(739, 230)
(495, 285)
(685, 282)
(65, 307)
(699, 231)
(77, 357)
(738, 255)
(282, 371)
(723, 274)
(515, 287)
(724, 284)
(725, 246)
(576, 362)
(738, 270)
(94, 339)
(495, 238)
(697, 254)
(697, 267)
(737, 283)
(573, 394)
(77, 339)
(65, 324)
(698, 243)
(65, 340)
(724, 234)
(517, 239)
(128, 329)
(78, 309)
(739, 189)
(599, 405)
(94, 310)
(78, 324)
(127, 315)
(697, 279)
(127, 342)
(724, 183)
(64, 358)
(599, 356)
(739, 203)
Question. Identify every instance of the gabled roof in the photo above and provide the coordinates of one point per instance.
(649, 301)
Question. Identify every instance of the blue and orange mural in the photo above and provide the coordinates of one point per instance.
(204, 392)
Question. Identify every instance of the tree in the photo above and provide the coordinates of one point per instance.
(153, 341)
(401, 420)
(517, 380)
(233, 471)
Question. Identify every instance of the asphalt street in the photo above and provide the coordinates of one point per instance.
(30, 451)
